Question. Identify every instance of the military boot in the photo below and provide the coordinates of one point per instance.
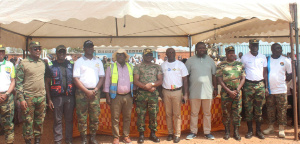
(269, 130)
(153, 137)
(27, 141)
(227, 132)
(141, 138)
(250, 130)
(37, 140)
(236, 134)
(83, 138)
(93, 139)
(259, 134)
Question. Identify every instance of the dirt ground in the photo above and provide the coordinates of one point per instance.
(47, 137)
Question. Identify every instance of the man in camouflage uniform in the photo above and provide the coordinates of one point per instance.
(147, 76)
(231, 76)
(255, 87)
(30, 86)
(7, 76)
(88, 76)
(279, 71)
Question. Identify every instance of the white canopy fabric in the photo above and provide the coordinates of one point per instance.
(138, 22)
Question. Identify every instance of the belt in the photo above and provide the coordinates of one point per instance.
(123, 94)
(173, 89)
(90, 88)
(255, 82)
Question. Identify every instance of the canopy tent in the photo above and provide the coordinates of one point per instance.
(138, 22)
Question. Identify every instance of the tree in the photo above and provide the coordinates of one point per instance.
(75, 50)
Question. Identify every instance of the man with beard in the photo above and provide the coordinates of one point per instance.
(88, 76)
(7, 76)
(279, 71)
(147, 76)
(254, 87)
(61, 94)
(30, 86)
(203, 88)
(231, 76)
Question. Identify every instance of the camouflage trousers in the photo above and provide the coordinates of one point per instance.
(86, 107)
(253, 98)
(33, 116)
(147, 101)
(277, 103)
(231, 107)
(7, 114)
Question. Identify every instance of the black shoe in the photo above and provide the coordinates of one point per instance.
(250, 130)
(227, 132)
(83, 138)
(259, 134)
(153, 137)
(27, 141)
(170, 137)
(37, 140)
(141, 137)
(236, 134)
(176, 139)
(93, 139)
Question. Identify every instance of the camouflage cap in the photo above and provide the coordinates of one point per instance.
(230, 48)
(2, 48)
(253, 41)
(147, 51)
(60, 47)
(34, 44)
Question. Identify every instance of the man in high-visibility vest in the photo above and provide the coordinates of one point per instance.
(119, 92)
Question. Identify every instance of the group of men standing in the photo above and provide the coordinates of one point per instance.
(65, 83)
(261, 80)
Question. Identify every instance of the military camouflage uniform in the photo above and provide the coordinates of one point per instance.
(280, 106)
(85, 107)
(7, 73)
(7, 109)
(231, 74)
(146, 100)
(254, 97)
(30, 86)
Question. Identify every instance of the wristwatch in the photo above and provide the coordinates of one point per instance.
(152, 84)
(7, 94)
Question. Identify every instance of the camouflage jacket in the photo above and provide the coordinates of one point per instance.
(231, 73)
(30, 78)
(147, 72)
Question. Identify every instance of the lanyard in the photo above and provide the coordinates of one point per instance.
(2, 64)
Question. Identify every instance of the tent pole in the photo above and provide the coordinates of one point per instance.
(294, 83)
(190, 44)
(26, 48)
(297, 51)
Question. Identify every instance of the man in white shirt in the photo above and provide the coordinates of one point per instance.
(175, 78)
(88, 76)
(254, 87)
(240, 57)
(278, 66)
(159, 61)
(7, 85)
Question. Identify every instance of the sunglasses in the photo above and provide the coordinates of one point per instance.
(37, 48)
